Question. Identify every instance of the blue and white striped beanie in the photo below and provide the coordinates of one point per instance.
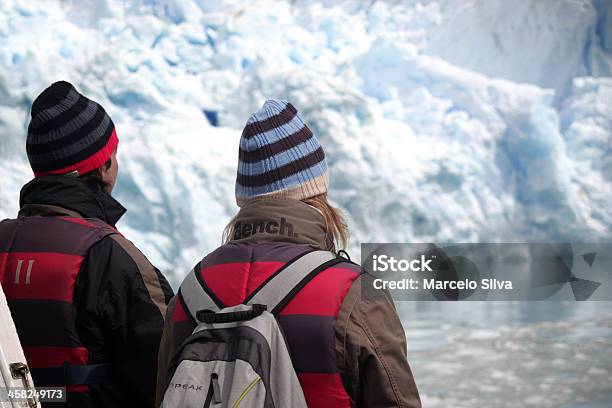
(279, 156)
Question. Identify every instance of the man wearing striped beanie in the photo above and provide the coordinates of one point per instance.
(70, 134)
(88, 306)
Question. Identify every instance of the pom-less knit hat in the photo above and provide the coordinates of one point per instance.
(279, 156)
(68, 133)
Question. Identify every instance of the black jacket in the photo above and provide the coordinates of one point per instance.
(120, 298)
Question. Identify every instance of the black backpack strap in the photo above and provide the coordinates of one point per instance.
(279, 290)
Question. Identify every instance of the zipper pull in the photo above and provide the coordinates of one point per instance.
(216, 389)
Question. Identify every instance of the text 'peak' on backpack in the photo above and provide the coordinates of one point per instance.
(237, 356)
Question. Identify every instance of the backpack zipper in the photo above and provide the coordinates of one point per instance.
(246, 391)
(214, 391)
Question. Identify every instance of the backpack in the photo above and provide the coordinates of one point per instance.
(237, 356)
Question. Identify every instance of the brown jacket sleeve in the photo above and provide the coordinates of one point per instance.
(371, 349)
(165, 353)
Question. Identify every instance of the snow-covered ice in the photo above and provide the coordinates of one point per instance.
(446, 122)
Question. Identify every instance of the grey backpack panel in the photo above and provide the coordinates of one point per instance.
(237, 356)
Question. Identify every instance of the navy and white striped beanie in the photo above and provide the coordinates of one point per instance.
(68, 133)
(279, 156)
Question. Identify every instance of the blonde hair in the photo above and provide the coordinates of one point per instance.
(336, 228)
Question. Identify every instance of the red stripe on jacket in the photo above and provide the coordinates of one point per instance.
(179, 315)
(233, 282)
(324, 288)
(51, 357)
(28, 275)
(46, 357)
(334, 396)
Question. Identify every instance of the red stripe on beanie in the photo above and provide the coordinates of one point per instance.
(91, 163)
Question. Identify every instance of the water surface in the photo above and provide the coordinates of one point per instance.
(510, 354)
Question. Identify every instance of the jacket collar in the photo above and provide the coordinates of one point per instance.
(68, 196)
(280, 220)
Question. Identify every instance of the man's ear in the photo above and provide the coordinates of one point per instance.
(105, 168)
(107, 174)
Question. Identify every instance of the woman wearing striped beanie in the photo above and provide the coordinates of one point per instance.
(347, 345)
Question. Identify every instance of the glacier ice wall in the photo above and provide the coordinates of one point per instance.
(546, 43)
(441, 120)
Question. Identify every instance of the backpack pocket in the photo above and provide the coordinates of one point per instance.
(196, 384)
(214, 384)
